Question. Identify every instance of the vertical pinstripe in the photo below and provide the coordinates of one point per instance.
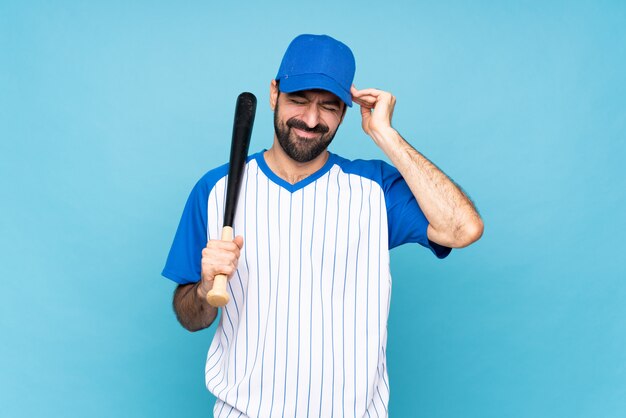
(332, 293)
(304, 332)
(311, 350)
(321, 281)
(343, 311)
(356, 274)
(367, 301)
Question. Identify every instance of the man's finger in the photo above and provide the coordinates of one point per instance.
(368, 101)
(369, 92)
(366, 111)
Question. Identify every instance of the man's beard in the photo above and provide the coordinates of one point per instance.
(300, 149)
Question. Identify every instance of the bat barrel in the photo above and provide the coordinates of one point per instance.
(245, 111)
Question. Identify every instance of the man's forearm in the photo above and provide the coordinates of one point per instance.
(193, 312)
(453, 219)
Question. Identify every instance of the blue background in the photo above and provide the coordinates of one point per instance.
(110, 111)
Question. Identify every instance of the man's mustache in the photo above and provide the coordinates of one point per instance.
(298, 124)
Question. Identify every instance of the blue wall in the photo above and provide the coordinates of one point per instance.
(110, 111)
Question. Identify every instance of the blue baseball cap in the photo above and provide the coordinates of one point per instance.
(317, 62)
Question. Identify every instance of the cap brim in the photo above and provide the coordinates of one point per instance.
(314, 81)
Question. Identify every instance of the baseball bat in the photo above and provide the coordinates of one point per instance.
(242, 131)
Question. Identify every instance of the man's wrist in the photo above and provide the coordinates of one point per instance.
(208, 311)
(200, 293)
(386, 138)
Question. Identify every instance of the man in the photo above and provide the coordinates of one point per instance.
(304, 333)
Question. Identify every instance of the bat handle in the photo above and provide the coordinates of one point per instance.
(218, 296)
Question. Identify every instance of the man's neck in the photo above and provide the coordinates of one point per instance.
(290, 170)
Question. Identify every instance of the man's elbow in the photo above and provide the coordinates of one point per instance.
(458, 236)
(190, 327)
(470, 233)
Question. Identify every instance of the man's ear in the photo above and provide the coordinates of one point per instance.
(273, 94)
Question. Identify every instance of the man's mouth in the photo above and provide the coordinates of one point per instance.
(305, 133)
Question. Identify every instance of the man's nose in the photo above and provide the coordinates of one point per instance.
(311, 115)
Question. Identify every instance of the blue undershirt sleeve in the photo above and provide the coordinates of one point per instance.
(407, 222)
(183, 262)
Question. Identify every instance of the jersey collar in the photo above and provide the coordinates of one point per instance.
(302, 183)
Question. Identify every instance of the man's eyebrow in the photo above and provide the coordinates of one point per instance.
(303, 94)
(334, 102)
(298, 94)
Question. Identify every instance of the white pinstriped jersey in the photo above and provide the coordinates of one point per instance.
(305, 331)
